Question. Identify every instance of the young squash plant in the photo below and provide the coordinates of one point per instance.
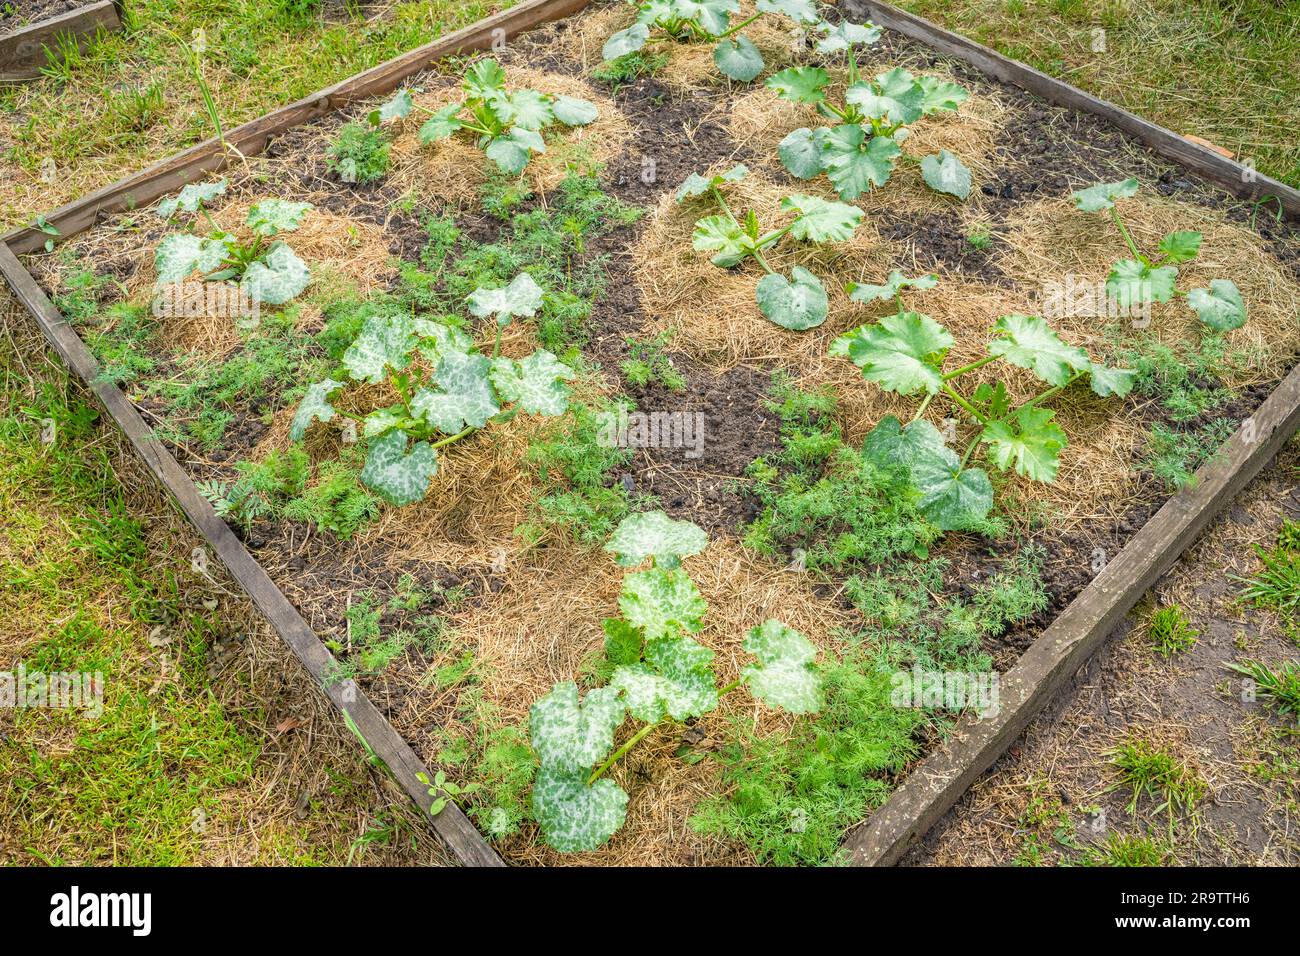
(263, 266)
(904, 353)
(661, 674)
(870, 118)
(796, 303)
(709, 21)
(508, 124)
(1142, 279)
(447, 390)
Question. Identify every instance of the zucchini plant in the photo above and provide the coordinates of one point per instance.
(905, 352)
(796, 303)
(264, 267)
(446, 389)
(709, 21)
(869, 119)
(508, 124)
(1142, 279)
(660, 674)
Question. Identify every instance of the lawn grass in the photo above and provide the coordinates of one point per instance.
(129, 99)
(1225, 70)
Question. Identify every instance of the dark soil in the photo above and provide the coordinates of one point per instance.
(16, 14)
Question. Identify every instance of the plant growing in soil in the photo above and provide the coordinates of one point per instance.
(709, 21)
(870, 118)
(905, 353)
(508, 123)
(1142, 279)
(446, 389)
(660, 674)
(264, 267)
(360, 154)
(796, 303)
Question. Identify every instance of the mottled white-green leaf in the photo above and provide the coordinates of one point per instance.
(800, 84)
(800, 11)
(821, 220)
(438, 339)
(894, 284)
(1102, 196)
(465, 397)
(626, 41)
(697, 185)
(191, 197)
(1028, 341)
(277, 277)
(381, 420)
(527, 109)
(1132, 282)
(1108, 381)
(721, 236)
(385, 342)
(572, 111)
(273, 216)
(652, 534)
(854, 163)
(1030, 442)
(441, 124)
(398, 107)
(512, 151)
(400, 476)
(662, 602)
(314, 406)
(797, 303)
(784, 676)
(1220, 306)
(1181, 245)
(943, 172)
(573, 816)
(523, 296)
(180, 254)
(738, 58)
(840, 36)
(801, 152)
(676, 686)
(570, 735)
(535, 383)
(939, 94)
(901, 353)
(484, 78)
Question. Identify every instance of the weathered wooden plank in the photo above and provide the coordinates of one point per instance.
(23, 53)
(251, 138)
(941, 778)
(451, 825)
(1236, 177)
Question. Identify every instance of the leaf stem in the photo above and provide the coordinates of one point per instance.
(738, 27)
(980, 363)
(468, 430)
(970, 409)
(1123, 231)
(636, 739)
(925, 403)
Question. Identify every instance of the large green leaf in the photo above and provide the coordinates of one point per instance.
(1220, 306)
(626, 41)
(1102, 196)
(512, 151)
(277, 277)
(535, 384)
(652, 534)
(937, 95)
(800, 11)
(191, 197)
(901, 353)
(821, 220)
(854, 162)
(484, 78)
(399, 476)
(1108, 381)
(797, 303)
(951, 497)
(662, 602)
(838, 37)
(1132, 283)
(738, 58)
(784, 676)
(712, 15)
(180, 254)
(385, 342)
(894, 97)
(800, 84)
(571, 735)
(273, 216)
(1030, 441)
(466, 398)
(801, 152)
(527, 109)
(441, 124)
(652, 696)
(697, 185)
(1181, 246)
(1028, 341)
(945, 173)
(894, 284)
(314, 406)
(523, 296)
(573, 816)
(398, 107)
(572, 111)
(721, 236)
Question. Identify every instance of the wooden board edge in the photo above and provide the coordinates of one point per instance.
(81, 23)
(452, 826)
(1238, 178)
(939, 781)
(251, 138)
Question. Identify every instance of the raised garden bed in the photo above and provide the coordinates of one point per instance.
(31, 31)
(456, 612)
